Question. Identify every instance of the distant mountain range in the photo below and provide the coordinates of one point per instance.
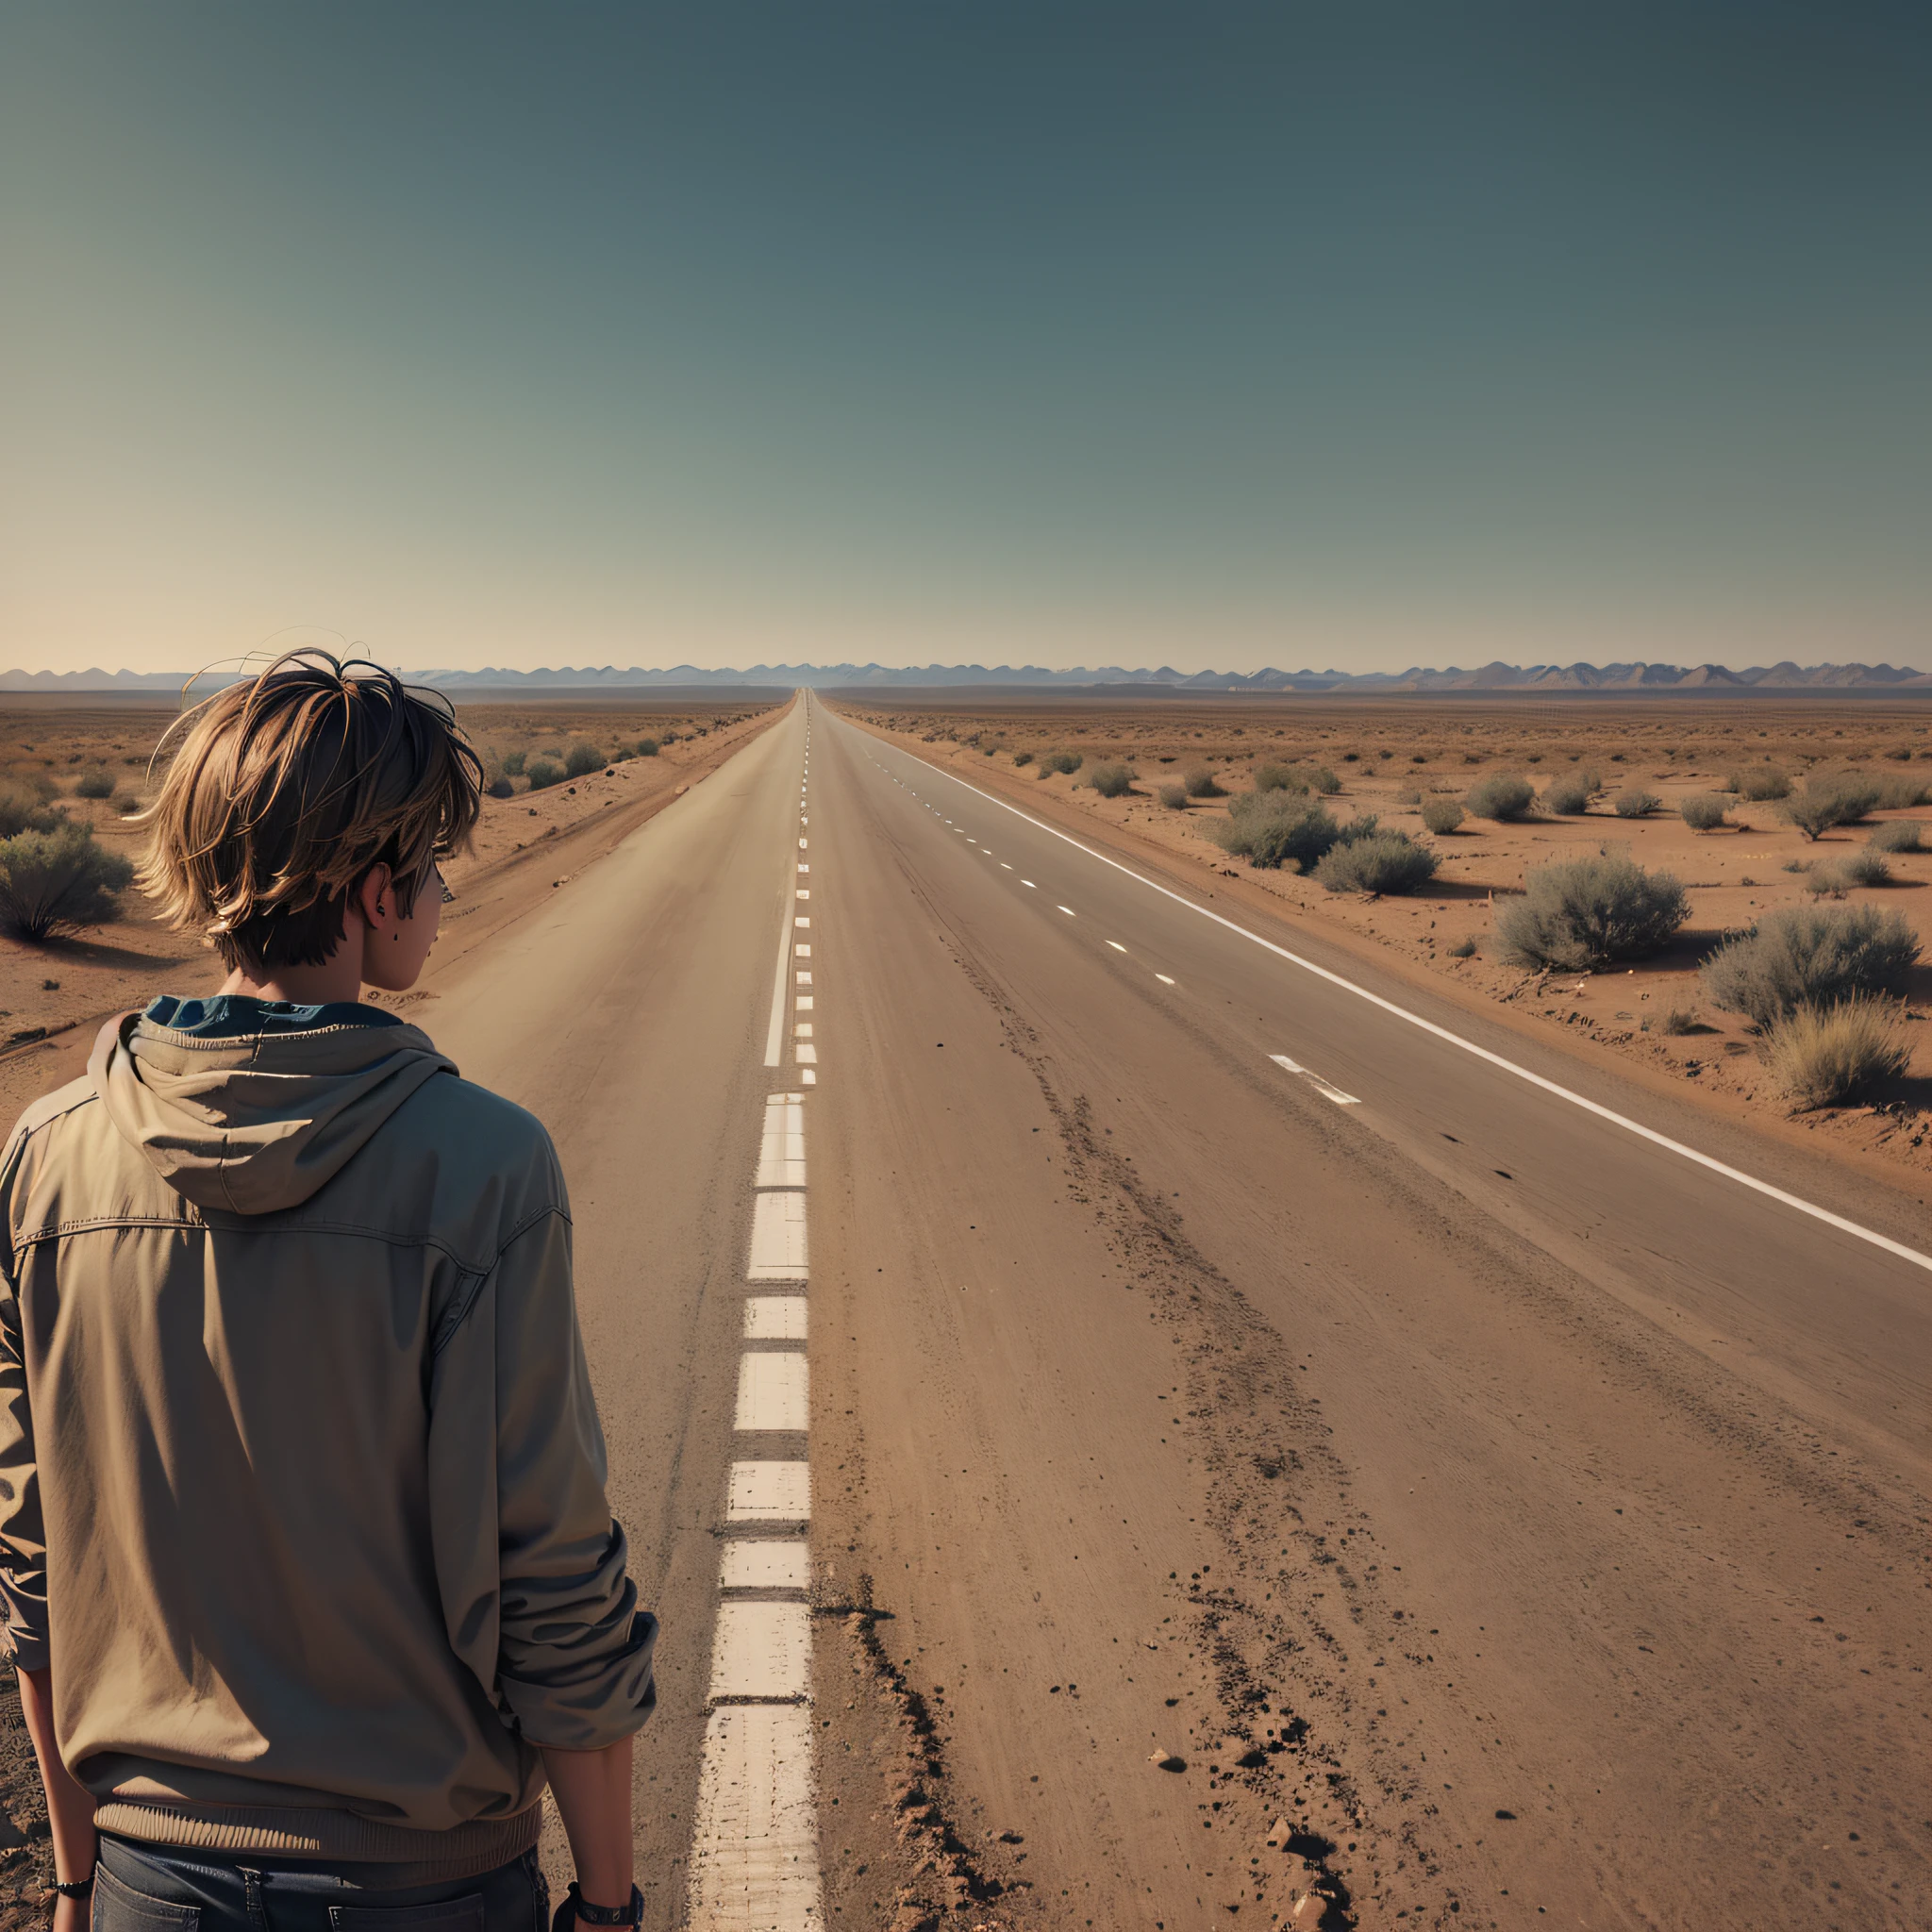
(1533, 678)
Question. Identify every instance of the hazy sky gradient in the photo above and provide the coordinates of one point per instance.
(1201, 335)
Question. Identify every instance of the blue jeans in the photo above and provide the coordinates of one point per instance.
(141, 1886)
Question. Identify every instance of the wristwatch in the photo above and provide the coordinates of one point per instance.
(587, 1914)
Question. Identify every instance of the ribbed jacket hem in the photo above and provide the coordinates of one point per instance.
(286, 1832)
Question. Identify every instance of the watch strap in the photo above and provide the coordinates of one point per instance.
(587, 1914)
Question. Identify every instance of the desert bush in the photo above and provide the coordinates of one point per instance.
(646, 747)
(1759, 782)
(1810, 955)
(1901, 791)
(1903, 753)
(1463, 949)
(1502, 795)
(24, 810)
(1441, 815)
(1636, 803)
(1175, 797)
(1052, 762)
(1111, 781)
(1820, 1055)
(1827, 801)
(1296, 778)
(58, 881)
(1411, 796)
(1679, 1020)
(1569, 795)
(1901, 835)
(96, 783)
(1578, 914)
(501, 788)
(1703, 811)
(1381, 862)
(543, 772)
(1022, 758)
(126, 803)
(1273, 828)
(1200, 782)
(1864, 868)
(513, 762)
(581, 759)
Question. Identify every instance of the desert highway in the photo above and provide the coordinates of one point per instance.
(1261, 1462)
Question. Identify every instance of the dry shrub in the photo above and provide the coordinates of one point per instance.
(58, 881)
(24, 810)
(1821, 1055)
(1901, 835)
(1200, 783)
(1503, 795)
(1274, 828)
(1111, 781)
(1578, 914)
(1703, 811)
(1635, 802)
(1757, 783)
(1175, 797)
(1813, 955)
(1569, 795)
(1382, 862)
(1828, 800)
(1441, 815)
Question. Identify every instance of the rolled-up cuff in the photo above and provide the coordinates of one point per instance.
(591, 1702)
(23, 1624)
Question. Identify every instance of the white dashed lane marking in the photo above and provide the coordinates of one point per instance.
(755, 1850)
(774, 1393)
(775, 1317)
(765, 1563)
(755, 1858)
(762, 1651)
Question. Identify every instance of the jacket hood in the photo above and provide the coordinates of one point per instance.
(256, 1123)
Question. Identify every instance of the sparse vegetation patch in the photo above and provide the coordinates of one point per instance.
(1824, 1055)
(1581, 913)
(1810, 955)
(58, 881)
(1503, 795)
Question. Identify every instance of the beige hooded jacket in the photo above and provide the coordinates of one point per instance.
(301, 1478)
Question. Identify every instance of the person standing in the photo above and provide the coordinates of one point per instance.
(305, 1562)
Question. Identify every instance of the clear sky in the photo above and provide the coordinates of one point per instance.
(1356, 335)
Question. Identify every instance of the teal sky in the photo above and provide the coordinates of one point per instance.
(1358, 336)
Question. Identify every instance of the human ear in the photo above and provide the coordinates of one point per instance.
(375, 898)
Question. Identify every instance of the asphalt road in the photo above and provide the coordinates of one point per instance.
(1485, 1514)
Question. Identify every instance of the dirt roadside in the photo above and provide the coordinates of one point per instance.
(1592, 1017)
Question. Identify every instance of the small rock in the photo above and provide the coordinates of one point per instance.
(1166, 1761)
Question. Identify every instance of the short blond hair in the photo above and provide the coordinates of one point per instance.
(288, 788)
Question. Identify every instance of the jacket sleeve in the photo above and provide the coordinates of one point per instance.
(23, 1539)
(530, 1563)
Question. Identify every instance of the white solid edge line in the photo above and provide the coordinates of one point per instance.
(775, 1033)
(1707, 1161)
